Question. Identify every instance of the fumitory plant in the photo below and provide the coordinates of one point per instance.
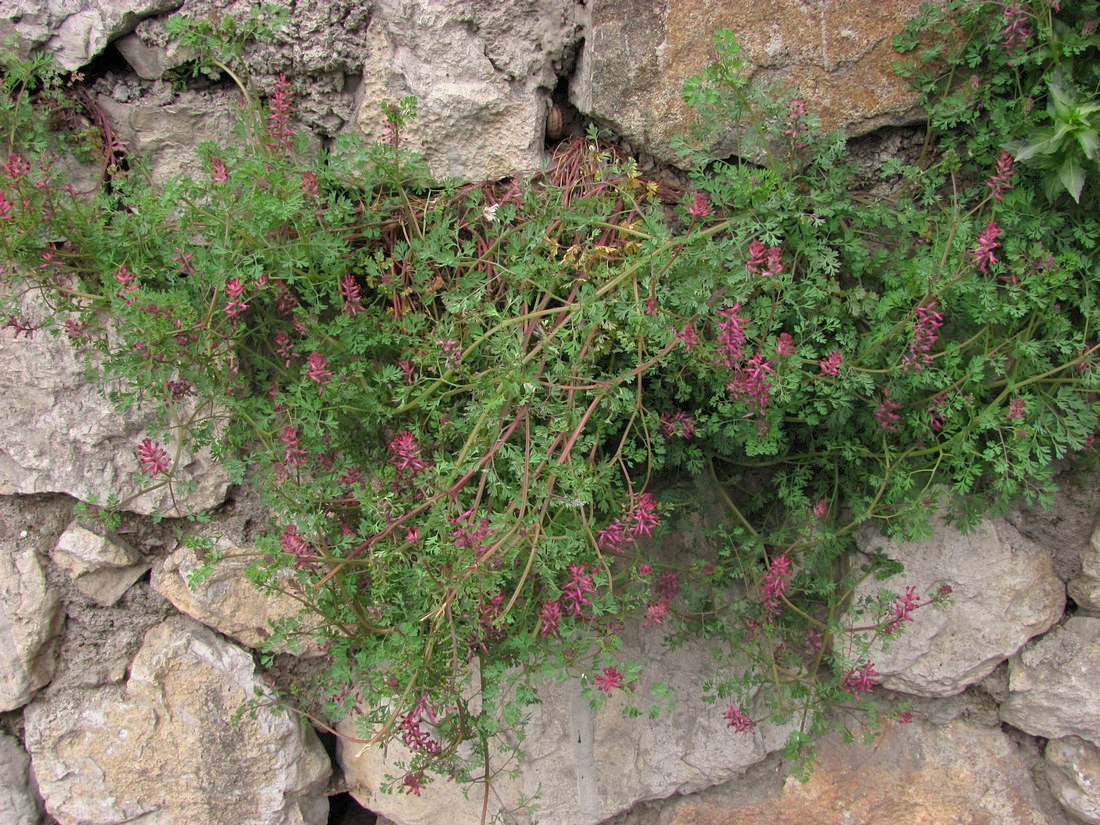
(475, 410)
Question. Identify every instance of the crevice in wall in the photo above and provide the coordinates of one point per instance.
(343, 809)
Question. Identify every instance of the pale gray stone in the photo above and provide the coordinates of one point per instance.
(1004, 593)
(1073, 771)
(31, 620)
(20, 803)
(481, 73)
(100, 567)
(151, 62)
(164, 749)
(229, 602)
(587, 764)
(1053, 683)
(75, 31)
(166, 135)
(1085, 589)
(63, 436)
(636, 57)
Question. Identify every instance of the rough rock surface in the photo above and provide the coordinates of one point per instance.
(585, 764)
(101, 568)
(1073, 771)
(75, 31)
(482, 73)
(228, 601)
(31, 618)
(1085, 588)
(1004, 593)
(163, 749)
(1053, 683)
(167, 135)
(19, 800)
(636, 57)
(62, 436)
(1064, 527)
(957, 774)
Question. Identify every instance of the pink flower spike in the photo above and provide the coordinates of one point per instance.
(774, 584)
(982, 255)
(1016, 408)
(219, 172)
(924, 336)
(677, 425)
(784, 344)
(129, 285)
(643, 515)
(655, 613)
(279, 111)
(550, 616)
(887, 413)
(830, 365)
(821, 508)
(353, 298)
(292, 454)
(154, 460)
(1001, 179)
(233, 291)
(318, 370)
(736, 719)
(861, 679)
(700, 207)
(609, 679)
(575, 593)
(612, 538)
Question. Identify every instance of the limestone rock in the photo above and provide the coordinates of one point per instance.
(19, 800)
(63, 436)
(1052, 683)
(164, 749)
(481, 72)
(151, 62)
(586, 765)
(636, 57)
(1085, 589)
(957, 774)
(228, 601)
(30, 623)
(75, 30)
(1004, 593)
(167, 135)
(1073, 770)
(101, 568)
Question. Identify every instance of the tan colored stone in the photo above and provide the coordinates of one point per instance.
(1004, 592)
(19, 800)
(228, 601)
(165, 749)
(101, 568)
(918, 774)
(31, 620)
(837, 54)
(1073, 771)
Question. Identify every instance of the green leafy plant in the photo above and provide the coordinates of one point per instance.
(479, 412)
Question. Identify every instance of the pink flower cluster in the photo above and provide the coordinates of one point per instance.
(764, 260)
(900, 610)
(279, 111)
(609, 679)
(677, 425)
(796, 122)
(405, 458)
(152, 457)
(415, 738)
(887, 413)
(731, 336)
(639, 521)
(294, 544)
(353, 297)
(234, 289)
(750, 385)
(318, 371)
(982, 255)
(1016, 31)
(737, 719)
(1001, 180)
(924, 336)
(830, 364)
(293, 454)
(700, 207)
(775, 582)
(861, 679)
(1016, 408)
(129, 285)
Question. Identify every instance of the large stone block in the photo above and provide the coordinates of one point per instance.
(165, 749)
(1004, 592)
(636, 57)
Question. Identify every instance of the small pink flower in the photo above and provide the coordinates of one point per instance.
(405, 459)
(750, 385)
(574, 595)
(887, 413)
(736, 719)
(451, 351)
(318, 370)
(609, 679)
(765, 261)
(642, 517)
(689, 337)
(550, 617)
(309, 186)
(412, 783)
(821, 508)
(1016, 32)
(830, 365)
(651, 306)
(644, 570)
(233, 291)
(353, 298)
(677, 425)
(774, 584)
(784, 344)
(1001, 180)
(982, 255)
(700, 207)
(731, 336)
(129, 285)
(924, 336)
(219, 171)
(905, 718)
(154, 460)
(1016, 408)
(655, 613)
(861, 679)
(292, 453)
(612, 538)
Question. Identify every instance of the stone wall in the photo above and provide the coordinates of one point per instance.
(119, 683)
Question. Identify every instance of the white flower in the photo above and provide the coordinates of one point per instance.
(490, 212)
